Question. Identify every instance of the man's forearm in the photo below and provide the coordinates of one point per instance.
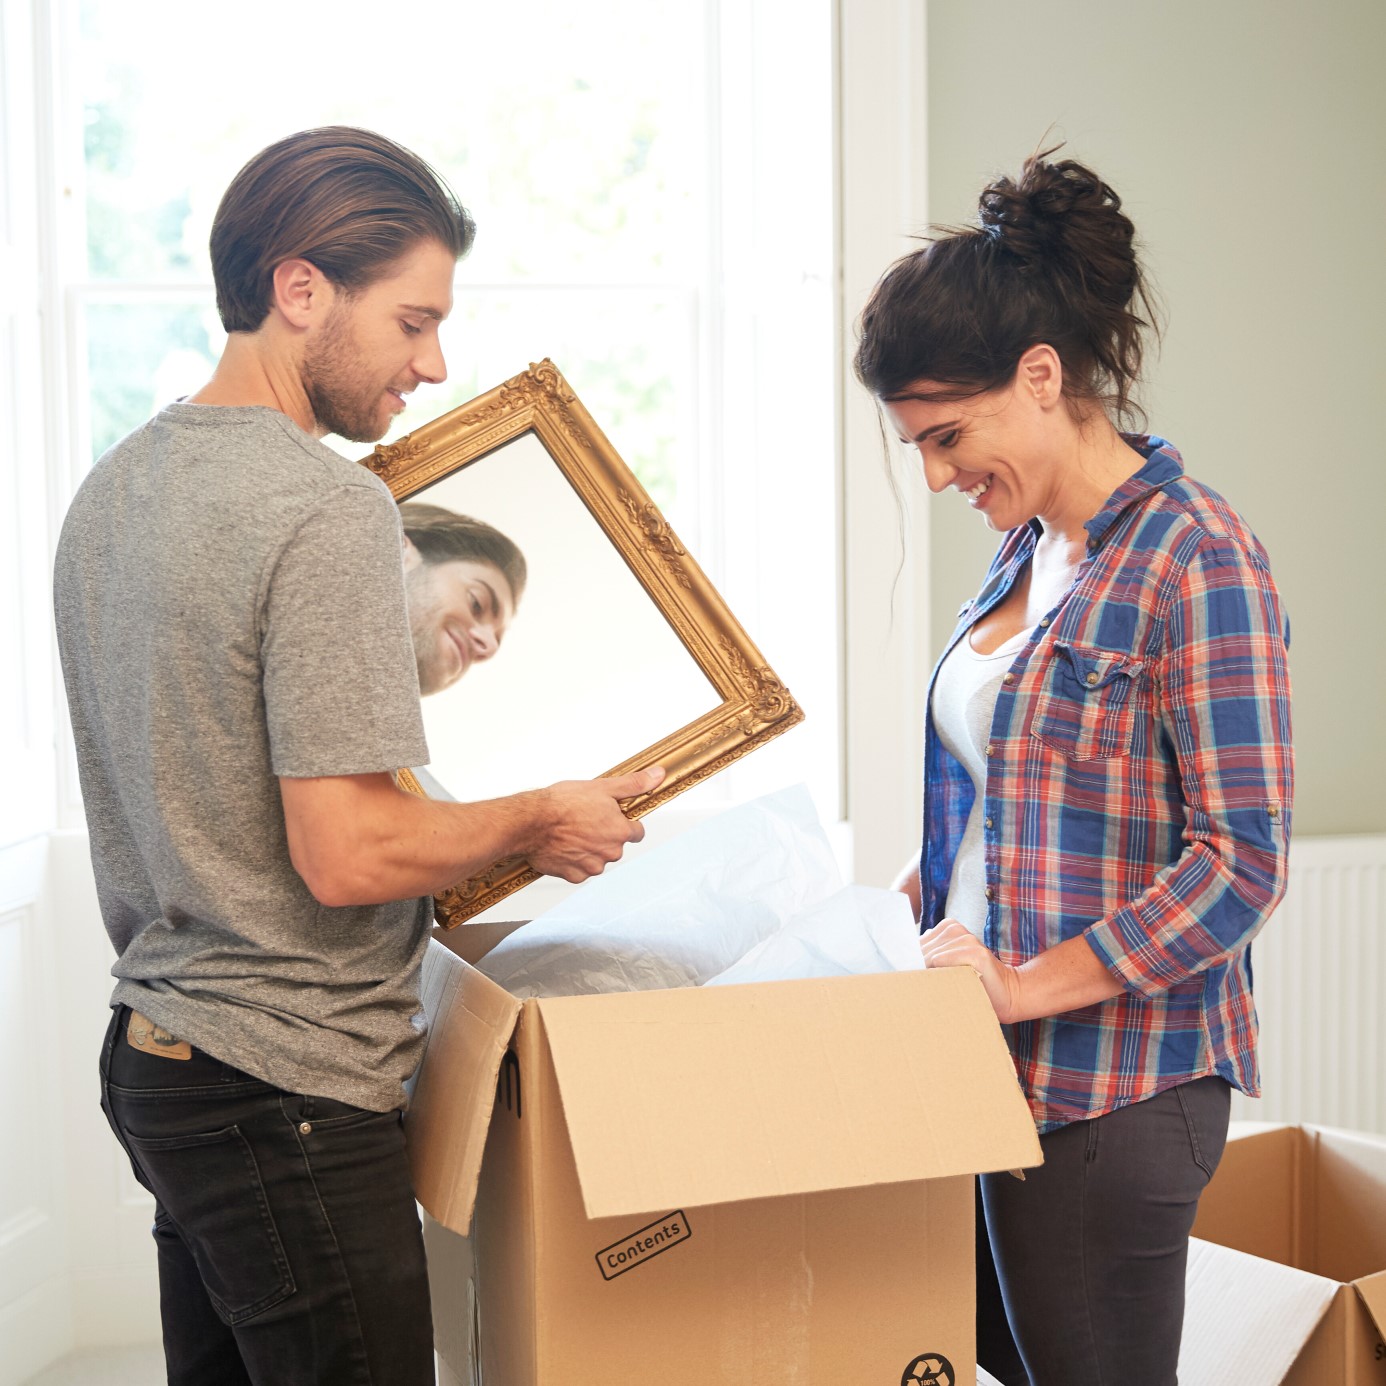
(408, 846)
(360, 839)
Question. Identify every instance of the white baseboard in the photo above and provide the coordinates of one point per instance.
(36, 1329)
(110, 1310)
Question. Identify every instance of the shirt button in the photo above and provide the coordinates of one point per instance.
(988, 821)
(1010, 678)
(991, 750)
(1044, 621)
(991, 893)
(1092, 676)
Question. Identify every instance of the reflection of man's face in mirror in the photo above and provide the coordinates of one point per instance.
(463, 580)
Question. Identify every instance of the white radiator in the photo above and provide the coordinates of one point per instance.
(1320, 977)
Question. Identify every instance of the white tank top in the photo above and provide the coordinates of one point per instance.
(965, 694)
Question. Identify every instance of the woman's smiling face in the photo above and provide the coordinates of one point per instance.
(1000, 449)
(990, 448)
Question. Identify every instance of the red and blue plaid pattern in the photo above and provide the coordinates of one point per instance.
(1139, 780)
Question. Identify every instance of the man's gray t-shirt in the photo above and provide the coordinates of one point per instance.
(230, 609)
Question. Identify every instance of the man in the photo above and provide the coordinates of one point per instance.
(241, 694)
(463, 580)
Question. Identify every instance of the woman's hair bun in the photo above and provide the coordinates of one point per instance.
(1062, 213)
(1053, 260)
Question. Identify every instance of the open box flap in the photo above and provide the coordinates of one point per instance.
(1345, 1210)
(470, 1021)
(472, 942)
(715, 1094)
(1252, 1205)
(1372, 1292)
(1245, 1319)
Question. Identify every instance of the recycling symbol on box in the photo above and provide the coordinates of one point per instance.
(931, 1369)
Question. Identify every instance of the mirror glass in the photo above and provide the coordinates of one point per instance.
(566, 683)
(562, 631)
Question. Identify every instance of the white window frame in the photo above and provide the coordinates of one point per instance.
(882, 161)
(772, 550)
(880, 619)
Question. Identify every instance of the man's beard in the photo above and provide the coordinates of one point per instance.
(338, 394)
(423, 629)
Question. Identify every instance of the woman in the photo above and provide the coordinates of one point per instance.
(1108, 770)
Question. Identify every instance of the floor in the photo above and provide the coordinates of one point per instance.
(141, 1366)
(145, 1367)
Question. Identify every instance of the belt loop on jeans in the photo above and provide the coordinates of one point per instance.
(114, 1029)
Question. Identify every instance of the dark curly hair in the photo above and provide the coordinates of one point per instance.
(1052, 259)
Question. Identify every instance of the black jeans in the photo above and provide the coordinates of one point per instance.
(289, 1246)
(1080, 1267)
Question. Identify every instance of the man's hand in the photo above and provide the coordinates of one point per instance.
(950, 943)
(581, 827)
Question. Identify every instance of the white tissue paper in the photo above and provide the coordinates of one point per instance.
(751, 895)
(859, 929)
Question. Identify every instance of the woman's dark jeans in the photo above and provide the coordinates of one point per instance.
(1088, 1252)
(289, 1246)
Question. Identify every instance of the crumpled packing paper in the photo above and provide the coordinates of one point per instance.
(859, 929)
(752, 895)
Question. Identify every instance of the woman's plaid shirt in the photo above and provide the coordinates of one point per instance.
(1139, 780)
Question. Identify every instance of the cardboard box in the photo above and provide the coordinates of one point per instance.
(742, 1184)
(1287, 1275)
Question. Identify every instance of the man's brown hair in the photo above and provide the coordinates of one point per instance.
(441, 535)
(349, 201)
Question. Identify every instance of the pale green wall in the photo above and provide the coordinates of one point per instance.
(1247, 139)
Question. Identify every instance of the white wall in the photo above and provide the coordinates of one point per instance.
(76, 1258)
(882, 159)
(1248, 141)
(33, 1220)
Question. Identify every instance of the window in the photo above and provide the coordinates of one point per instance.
(653, 192)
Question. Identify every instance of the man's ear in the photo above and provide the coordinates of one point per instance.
(412, 557)
(1040, 372)
(302, 293)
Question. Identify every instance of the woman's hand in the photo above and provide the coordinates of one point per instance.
(950, 943)
(907, 883)
(1067, 977)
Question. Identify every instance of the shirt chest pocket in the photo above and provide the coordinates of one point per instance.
(1086, 708)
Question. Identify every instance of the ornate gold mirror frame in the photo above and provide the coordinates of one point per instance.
(755, 705)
